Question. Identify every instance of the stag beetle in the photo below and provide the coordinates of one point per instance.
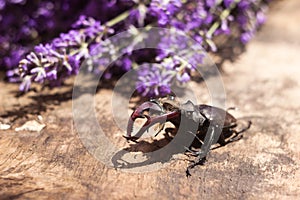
(214, 125)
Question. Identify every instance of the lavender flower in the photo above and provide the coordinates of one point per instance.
(157, 78)
(164, 10)
(176, 44)
(23, 24)
(60, 59)
(154, 80)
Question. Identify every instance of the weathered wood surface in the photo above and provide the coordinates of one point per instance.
(263, 83)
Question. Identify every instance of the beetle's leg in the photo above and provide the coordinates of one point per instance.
(226, 129)
(231, 108)
(195, 135)
(211, 137)
(235, 138)
(246, 128)
(232, 125)
(238, 135)
(194, 153)
(201, 162)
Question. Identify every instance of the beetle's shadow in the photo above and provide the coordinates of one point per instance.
(155, 151)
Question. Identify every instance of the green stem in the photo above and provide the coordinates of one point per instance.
(223, 16)
(118, 19)
(108, 24)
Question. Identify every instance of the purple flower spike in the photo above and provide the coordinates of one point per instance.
(153, 80)
(24, 23)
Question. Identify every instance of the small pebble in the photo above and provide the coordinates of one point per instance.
(4, 126)
(31, 126)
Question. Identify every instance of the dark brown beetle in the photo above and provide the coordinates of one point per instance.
(213, 125)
